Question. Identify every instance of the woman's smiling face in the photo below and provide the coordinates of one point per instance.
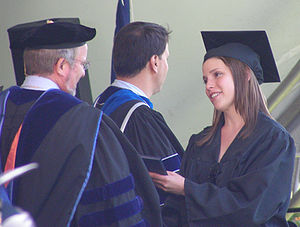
(219, 84)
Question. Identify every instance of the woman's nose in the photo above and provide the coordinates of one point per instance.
(210, 84)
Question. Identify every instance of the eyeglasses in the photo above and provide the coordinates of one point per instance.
(85, 64)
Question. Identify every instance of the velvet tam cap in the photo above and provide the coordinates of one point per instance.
(50, 34)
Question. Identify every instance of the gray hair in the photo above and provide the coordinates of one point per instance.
(41, 61)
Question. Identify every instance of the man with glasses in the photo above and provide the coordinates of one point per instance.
(89, 174)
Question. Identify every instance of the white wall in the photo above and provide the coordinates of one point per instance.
(182, 100)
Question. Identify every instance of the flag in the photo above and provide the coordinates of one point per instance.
(122, 18)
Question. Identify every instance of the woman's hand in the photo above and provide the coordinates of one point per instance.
(172, 182)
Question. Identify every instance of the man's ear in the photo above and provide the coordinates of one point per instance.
(61, 67)
(154, 63)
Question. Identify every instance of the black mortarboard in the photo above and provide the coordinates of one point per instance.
(49, 34)
(250, 47)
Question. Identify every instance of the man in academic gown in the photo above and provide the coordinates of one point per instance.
(140, 54)
(89, 174)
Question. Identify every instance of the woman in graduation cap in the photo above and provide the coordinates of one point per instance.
(238, 171)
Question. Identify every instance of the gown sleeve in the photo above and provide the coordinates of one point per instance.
(174, 212)
(143, 183)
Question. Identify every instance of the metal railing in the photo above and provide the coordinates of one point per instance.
(290, 119)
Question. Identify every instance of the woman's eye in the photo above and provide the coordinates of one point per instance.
(204, 80)
(218, 74)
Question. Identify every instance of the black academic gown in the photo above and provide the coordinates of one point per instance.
(88, 175)
(249, 187)
(146, 129)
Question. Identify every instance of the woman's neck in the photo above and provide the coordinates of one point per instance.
(233, 120)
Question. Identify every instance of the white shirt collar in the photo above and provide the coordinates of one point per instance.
(129, 86)
(34, 82)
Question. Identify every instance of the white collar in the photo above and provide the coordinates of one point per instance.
(34, 82)
(129, 86)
